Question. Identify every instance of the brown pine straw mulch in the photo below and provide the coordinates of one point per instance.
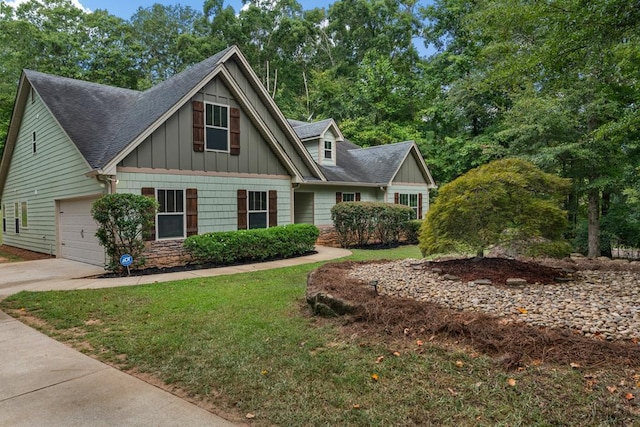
(511, 344)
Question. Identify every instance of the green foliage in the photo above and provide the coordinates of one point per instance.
(230, 247)
(122, 219)
(412, 231)
(505, 200)
(552, 249)
(357, 222)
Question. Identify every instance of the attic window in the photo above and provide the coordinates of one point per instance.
(328, 150)
(216, 127)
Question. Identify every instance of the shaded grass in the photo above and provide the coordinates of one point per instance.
(246, 343)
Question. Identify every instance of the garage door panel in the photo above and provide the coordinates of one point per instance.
(77, 232)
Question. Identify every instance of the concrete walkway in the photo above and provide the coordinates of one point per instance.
(45, 383)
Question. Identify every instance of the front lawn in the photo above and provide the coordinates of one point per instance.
(246, 344)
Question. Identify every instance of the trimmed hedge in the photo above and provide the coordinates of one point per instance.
(231, 247)
(357, 222)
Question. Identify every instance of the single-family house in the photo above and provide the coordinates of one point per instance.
(209, 144)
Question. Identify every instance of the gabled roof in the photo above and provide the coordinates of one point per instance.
(106, 123)
(306, 130)
(102, 120)
(373, 165)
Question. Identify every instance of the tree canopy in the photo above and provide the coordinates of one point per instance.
(505, 200)
(555, 82)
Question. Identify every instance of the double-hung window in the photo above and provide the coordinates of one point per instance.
(16, 217)
(328, 150)
(216, 127)
(410, 200)
(170, 220)
(258, 209)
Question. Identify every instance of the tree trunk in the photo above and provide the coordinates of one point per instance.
(594, 223)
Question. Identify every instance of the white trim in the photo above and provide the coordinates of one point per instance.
(265, 211)
(342, 194)
(184, 214)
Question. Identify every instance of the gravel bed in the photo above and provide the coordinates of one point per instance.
(595, 303)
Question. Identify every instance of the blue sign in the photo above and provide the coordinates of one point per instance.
(126, 260)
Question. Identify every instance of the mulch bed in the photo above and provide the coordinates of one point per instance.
(23, 253)
(498, 270)
(511, 344)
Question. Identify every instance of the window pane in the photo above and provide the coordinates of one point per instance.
(263, 201)
(413, 200)
(223, 117)
(25, 219)
(179, 201)
(15, 210)
(209, 119)
(348, 197)
(162, 201)
(258, 220)
(170, 226)
(404, 199)
(217, 139)
(171, 201)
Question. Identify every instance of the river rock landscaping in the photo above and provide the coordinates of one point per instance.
(577, 310)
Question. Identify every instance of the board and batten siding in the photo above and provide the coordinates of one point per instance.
(267, 115)
(410, 172)
(56, 171)
(171, 145)
(217, 195)
(325, 199)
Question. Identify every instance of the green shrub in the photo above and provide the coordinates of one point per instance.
(230, 247)
(356, 222)
(553, 249)
(122, 219)
(412, 231)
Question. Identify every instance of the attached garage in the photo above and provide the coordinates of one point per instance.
(77, 232)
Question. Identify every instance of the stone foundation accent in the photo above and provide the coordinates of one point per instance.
(328, 237)
(166, 253)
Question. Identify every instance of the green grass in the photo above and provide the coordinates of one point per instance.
(246, 343)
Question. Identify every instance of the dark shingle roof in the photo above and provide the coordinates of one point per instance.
(309, 130)
(102, 120)
(375, 165)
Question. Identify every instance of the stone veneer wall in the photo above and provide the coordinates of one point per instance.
(166, 253)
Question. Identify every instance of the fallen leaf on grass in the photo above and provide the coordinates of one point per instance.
(629, 396)
(575, 365)
(511, 382)
(356, 406)
(379, 359)
(419, 343)
(250, 416)
(459, 363)
(374, 377)
(612, 389)
(396, 353)
(264, 372)
(452, 392)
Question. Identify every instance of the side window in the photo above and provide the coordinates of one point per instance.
(171, 215)
(216, 127)
(24, 216)
(410, 200)
(4, 218)
(33, 144)
(16, 217)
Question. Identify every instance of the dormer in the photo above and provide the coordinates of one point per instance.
(320, 139)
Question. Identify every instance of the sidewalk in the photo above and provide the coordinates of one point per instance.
(45, 383)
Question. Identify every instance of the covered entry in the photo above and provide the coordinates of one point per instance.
(303, 207)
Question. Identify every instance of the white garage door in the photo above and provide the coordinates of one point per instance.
(78, 239)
